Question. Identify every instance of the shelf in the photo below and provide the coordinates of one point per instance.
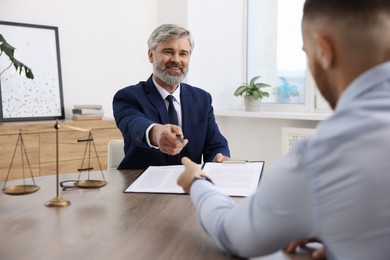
(273, 115)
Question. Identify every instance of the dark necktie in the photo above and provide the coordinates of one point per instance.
(172, 159)
(172, 111)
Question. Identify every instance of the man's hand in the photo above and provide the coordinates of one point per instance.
(191, 170)
(165, 138)
(220, 158)
(317, 253)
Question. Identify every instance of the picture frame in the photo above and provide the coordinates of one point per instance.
(41, 98)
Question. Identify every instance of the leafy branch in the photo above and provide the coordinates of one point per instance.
(9, 50)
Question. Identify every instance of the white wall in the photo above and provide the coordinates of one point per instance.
(173, 11)
(257, 138)
(218, 61)
(102, 43)
(218, 27)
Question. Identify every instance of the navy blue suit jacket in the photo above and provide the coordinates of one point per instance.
(136, 107)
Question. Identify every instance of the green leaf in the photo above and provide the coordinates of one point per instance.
(256, 95)
(9, 50)
(19, 67)
(265, 94)
(253, 80)
(262, 85)
(28, 73)
(240, 90)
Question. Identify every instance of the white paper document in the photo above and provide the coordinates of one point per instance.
(233, 179)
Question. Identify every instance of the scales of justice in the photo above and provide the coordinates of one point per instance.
(57, 201)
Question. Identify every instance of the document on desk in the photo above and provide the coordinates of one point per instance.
(233, 179)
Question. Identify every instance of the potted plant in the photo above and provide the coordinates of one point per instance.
(9, 50)
(285, 91)
(253, 94)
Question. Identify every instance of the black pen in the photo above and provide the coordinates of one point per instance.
(180, 137)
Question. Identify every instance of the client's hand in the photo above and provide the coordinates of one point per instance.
(166, 138)
(317, 253)
(220, 158)
(191, 170)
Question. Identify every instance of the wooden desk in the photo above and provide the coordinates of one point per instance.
(103, 224)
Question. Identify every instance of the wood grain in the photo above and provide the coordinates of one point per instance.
(102, 224)
(105, 223)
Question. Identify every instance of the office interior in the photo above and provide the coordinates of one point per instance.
(103, 48)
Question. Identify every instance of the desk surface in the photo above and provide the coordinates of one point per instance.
(103, 223)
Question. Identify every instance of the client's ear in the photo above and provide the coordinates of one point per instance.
(325, 51)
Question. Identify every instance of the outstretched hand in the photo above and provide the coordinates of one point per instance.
(191, 170)
(165, 137)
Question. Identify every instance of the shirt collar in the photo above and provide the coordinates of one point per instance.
(363, 83)
(164, 93)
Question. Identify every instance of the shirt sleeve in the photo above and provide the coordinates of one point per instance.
(280, 211)
(147, 137)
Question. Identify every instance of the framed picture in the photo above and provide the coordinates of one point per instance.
(24, 99)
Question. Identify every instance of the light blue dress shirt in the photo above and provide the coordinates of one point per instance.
(334, 186)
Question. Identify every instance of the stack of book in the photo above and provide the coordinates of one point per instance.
(87, 112)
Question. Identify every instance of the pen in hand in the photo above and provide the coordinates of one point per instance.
(180, 138)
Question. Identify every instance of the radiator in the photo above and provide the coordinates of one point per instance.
(291, 134)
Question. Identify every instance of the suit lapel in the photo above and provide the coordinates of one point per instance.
(186, 105)
(156, 100)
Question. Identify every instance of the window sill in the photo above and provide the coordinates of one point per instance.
(274, 115)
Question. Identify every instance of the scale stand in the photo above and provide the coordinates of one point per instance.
(25, 188)
(89, 184)
(57, 201)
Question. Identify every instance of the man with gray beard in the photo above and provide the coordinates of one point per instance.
(163, 119)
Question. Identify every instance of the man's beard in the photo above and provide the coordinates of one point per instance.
(172, 80)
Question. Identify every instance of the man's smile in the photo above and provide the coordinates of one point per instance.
(173, 69)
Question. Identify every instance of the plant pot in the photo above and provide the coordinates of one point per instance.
(252, 104)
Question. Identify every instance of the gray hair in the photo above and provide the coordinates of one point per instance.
(166, 32)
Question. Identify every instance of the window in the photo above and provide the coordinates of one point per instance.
(274, 51)
(291, 60)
